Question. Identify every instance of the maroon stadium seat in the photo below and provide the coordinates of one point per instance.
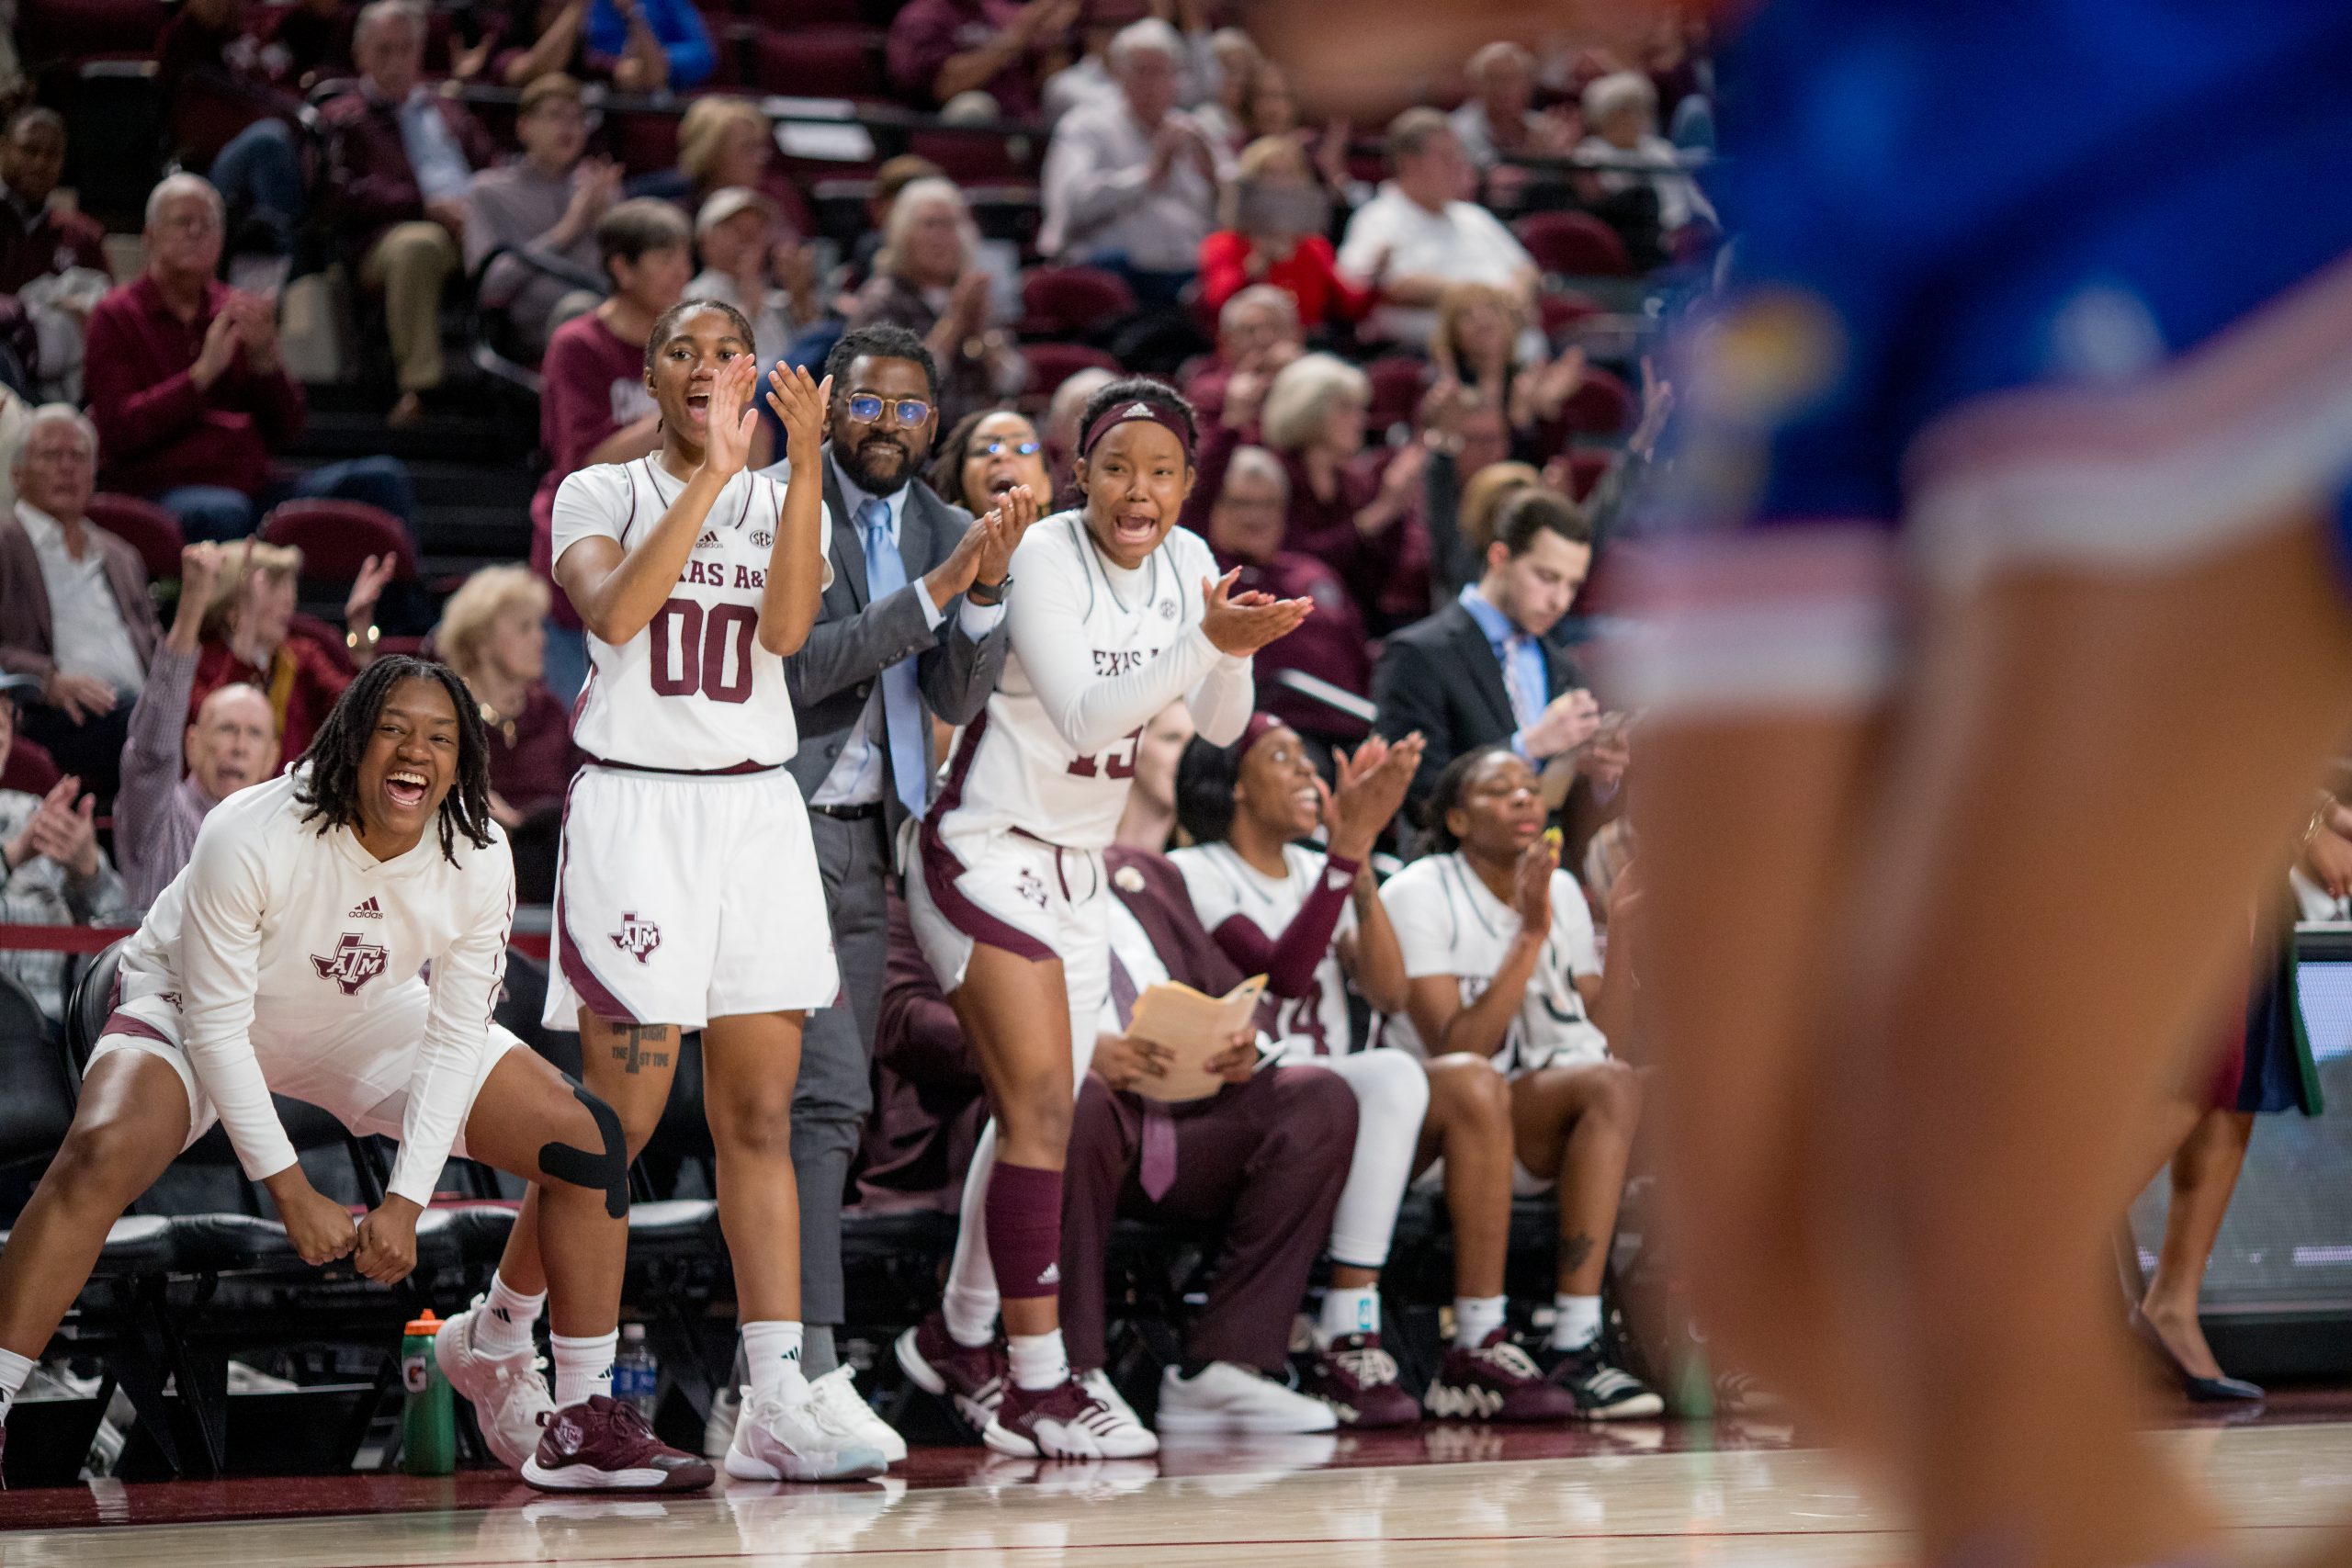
(1397, 383)
(30, 768)
(1560, 309)
(1586, 469)
(1603, 405)
(818, 62)
(1575, 243)
(145, 527)
(73, 30)
(795, 14)
(975, 157)
(1072, 301)
(1051, 364)
(336, 536)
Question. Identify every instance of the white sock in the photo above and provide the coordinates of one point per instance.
(584, 1367)
(772, 1352)
(14, 1370)
(970, 1314)
(1038, 1359)
(503, 1329)
(1576, 1322)
(1475, 1317)
(1349, 1309)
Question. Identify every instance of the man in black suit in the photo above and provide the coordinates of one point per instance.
(1481, 672)
(913, 627)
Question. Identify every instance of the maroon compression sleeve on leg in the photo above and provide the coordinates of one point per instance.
(1023, 1215)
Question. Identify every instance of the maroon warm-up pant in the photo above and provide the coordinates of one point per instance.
(1265, 1158)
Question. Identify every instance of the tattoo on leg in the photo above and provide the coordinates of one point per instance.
(633, 1052)
(1575, 1250)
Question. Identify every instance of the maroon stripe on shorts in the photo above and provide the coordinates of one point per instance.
(593, 990)
(138, 1028)
(941, 868)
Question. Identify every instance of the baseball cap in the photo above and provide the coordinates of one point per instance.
(725, 203)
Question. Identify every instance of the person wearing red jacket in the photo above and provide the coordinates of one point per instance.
(1273, 215)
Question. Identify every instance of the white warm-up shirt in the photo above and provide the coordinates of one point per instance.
(1096, 651)
(1462, 244)
(1225, 886)
(1449, 922)
(694, 692)
(277, 943)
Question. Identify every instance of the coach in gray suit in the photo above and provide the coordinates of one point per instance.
(912, 625)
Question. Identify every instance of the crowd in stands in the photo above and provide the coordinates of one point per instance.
(1404, 420)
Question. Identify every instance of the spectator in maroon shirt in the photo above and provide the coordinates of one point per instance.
(493, 634)
(1245, 531)
(939, 49)
(594, 407)
(1258, 333)
(187, 388)
(399, 157)
(1364, 527)
(54, 260)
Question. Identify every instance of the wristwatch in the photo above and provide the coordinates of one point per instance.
(987, 594)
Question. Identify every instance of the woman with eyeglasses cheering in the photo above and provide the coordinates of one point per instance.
(984, 456)
(1118, 612)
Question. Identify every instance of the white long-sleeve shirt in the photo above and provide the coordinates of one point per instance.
(277, 957)
(1096, 651)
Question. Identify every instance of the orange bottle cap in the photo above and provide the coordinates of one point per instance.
(424, 1328)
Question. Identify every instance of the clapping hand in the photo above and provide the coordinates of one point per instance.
(60, 830)
(800, 401)
(729, 420)
(359, 608)
(1239, 625)
(1373, 781)
(1530, 891)
(1001, 533)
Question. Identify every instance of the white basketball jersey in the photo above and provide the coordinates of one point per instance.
(1224, 885)
(1449, 922)
(1096, 651)
(694, 692)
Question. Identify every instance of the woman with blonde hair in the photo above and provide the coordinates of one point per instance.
(927, 279)
(1270, 222)
(1311, 416)
(493, 634)
(1482, 344)
(248, 637)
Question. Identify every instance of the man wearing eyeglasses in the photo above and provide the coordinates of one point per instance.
(912, 628)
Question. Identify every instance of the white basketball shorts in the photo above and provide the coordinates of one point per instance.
(682, 897)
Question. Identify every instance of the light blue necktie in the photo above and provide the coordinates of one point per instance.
(901, 705)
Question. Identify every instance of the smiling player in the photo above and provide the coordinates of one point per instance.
(285, 959)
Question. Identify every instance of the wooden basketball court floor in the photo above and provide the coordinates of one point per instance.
(1627, 1498)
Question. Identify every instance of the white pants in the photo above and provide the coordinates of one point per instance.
(1392, 1090)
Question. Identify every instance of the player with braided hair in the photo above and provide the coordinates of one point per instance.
(286, 958)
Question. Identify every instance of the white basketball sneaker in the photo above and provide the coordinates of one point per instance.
(509, 1395)
(1066, 1421)
(1226, 1398)
(718, 1431)
(837, 1392)
(788, 1436)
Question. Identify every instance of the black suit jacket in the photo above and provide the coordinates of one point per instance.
(856, 638)
(1440, 676)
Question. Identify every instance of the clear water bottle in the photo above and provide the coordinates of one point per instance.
(636, 1376)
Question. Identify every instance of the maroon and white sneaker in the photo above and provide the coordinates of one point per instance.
(1359, 1381)
(602, 1445)
(972, 1376)
(1064, 1421)
(1497, 1381)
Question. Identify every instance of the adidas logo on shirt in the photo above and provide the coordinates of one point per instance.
(369, 910)
(709, 537)
(1052, 1276)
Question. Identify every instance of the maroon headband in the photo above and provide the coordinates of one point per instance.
(1152, 409)
(1260, 725)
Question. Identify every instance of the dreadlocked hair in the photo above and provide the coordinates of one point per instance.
(328, 792)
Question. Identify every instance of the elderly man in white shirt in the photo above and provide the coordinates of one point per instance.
(73, 609)
(1131, 180)
(1421, 233)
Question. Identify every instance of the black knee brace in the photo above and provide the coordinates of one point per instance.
(607, 1171)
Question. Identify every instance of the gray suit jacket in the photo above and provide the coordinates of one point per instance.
(855, 641)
